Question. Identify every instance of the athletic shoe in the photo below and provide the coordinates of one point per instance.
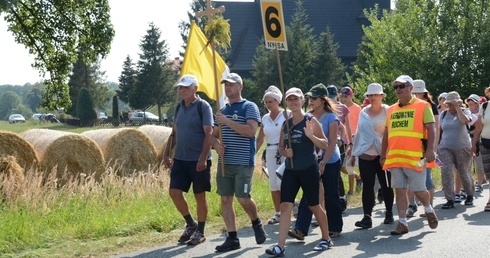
(463, 195)
(197, 238)
(323, 245)
(365, 222)
(478, 188)
(275, 250)
(400, 229)
(448, 205)
(228, 245)
(260, 235)
(188, 232)
(411, 210)
(273, 220)
(469, 200)
(432, 219)
(296, 233)
(457, 198)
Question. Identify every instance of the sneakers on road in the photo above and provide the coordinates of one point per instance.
(448, 205)
(323, 245)
(411, 210)
(260, 235)
(478, 188)
(273, 220)
(228, 245)
(298, 234)
(469, 200)
(457, 198)
(343, 204)
(186, 236)
(432, 219)
(275, 250)
(197, 238)
(400, 229)
(365, 222)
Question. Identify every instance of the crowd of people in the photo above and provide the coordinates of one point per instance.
(395, 148)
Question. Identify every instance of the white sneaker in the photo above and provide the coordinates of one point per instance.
(273, 220)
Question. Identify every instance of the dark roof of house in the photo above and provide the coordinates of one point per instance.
(345, 19)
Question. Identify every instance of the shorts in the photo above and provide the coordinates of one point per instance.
(346, 163)
(237, 180)
(408, 178)
(184, 173)
(308, 179)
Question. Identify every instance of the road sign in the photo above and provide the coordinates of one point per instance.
(273, 24)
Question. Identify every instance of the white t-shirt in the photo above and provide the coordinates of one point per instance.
(272, 128)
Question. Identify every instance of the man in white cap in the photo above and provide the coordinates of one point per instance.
(404, 152)
(191, 137)
(240, 119)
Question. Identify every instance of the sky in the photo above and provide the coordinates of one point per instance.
(130, 20)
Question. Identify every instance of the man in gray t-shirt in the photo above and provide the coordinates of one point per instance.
(191, 137)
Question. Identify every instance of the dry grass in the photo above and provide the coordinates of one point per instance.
(129, 147)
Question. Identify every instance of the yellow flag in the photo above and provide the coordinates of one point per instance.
(198, 61)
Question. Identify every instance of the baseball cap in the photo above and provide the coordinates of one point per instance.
(317, 91)
(404, 79)
(233, 78)
(187, 80)
(442, 95)
(332, 91)
(346, 91)
(295, 92)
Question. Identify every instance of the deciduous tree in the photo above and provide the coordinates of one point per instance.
(53, 31)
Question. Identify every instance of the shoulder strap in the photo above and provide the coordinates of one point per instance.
(443, 114)
(199, 108)
(484, 108)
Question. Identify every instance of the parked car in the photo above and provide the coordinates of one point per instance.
(102, 115)
(16, 118)
(138, 118)
(37, 116)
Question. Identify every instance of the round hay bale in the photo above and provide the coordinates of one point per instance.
(74, 153)
(158, 136)
(127, 150)
(12, 144)
(11, 176)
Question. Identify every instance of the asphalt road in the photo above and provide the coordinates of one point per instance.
(463, 231)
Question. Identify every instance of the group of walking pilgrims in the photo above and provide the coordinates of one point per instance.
(394, 147)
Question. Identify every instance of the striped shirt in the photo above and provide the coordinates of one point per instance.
(240, 150)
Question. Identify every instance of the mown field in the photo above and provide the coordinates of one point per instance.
(117, 215)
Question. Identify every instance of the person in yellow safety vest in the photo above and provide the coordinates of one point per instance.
(404, 150)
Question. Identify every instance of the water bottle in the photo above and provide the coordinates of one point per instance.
(421, 163)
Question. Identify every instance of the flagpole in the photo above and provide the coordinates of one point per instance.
(284, 101)
(209, 12)
(216, 89)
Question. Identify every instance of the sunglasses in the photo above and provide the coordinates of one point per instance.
(401, 86)
(313, 98)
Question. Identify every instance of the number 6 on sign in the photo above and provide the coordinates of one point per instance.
(273, 23)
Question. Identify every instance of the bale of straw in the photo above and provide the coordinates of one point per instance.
(12, 144)
(72, 156)
(11, 176)
(126, 150)
(158, 135)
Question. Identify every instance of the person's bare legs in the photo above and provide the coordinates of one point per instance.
(202, 206)
(284, 223)
(321, 218)
(249, 207)
(228, 213)
(276, 200)
(401, 202)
